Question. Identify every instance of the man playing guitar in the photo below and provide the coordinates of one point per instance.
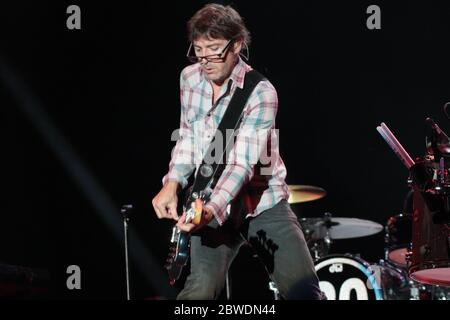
(218, 36)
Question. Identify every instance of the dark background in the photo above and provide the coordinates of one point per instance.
(111, 91)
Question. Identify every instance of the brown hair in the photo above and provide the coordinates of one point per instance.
(216, 21)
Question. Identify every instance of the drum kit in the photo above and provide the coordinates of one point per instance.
(405, 273)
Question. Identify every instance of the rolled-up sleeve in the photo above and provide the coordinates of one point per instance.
(182, 162)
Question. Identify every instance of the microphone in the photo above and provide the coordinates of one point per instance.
(435, 127)
(440, 142)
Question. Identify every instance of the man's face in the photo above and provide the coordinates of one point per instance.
(217, 71)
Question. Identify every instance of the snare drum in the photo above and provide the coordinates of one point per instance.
(347, 277)
(398, 234)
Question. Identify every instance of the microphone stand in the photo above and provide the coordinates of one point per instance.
(126, 210)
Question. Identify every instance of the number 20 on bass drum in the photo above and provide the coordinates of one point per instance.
(347, 277)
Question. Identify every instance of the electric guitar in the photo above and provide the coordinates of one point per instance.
(180, 241)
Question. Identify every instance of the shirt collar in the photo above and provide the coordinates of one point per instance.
(237, 75)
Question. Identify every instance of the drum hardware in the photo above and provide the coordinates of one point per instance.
(395, 284)
(398, 233)
(228, 286)
(415, 292)
(428, 292)
(273, 287)
(408, 257)
(398, 260)
(438, 144)
(428, 259)
(430, 254)
(320, 248)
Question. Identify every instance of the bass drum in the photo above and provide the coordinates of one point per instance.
(347, 277)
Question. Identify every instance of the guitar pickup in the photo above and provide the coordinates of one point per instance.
(175, 235)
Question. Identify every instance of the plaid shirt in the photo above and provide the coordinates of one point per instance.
(242, 174)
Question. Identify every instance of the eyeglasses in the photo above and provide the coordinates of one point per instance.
(219, 57)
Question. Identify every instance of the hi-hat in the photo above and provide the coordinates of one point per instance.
(304, 193)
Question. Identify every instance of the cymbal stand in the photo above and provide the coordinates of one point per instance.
(273, 287)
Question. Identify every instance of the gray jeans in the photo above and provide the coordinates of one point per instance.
(277, 238)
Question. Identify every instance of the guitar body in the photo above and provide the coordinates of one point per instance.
(179, 250)
(180, 241)
(178, 256)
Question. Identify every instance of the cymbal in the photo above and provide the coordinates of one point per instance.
(339, 228)
(305, 193)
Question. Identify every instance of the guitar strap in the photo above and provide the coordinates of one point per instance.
(209, 173)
